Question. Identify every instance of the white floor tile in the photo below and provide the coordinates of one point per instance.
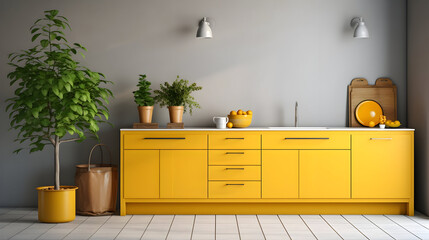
(390, 227)
(296, 228)
(342, 227)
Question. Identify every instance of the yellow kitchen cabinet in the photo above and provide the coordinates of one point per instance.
(183, 173)
(324, 174)
(382, 165)
(267, 171)
(280, 174)
(141, 173)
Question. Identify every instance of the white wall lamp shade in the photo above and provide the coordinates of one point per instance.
(360, 28)
(204, 29)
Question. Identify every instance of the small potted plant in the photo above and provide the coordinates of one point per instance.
(177, 96)
(55, 96)
(144, 100)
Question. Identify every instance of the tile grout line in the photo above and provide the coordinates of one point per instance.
(417, 222)
(215, 225)
(284, 226)
(262, 230)
(17, 221)
(123, 227)
(354, 226)
(193, 226)
(75, 227)
(401, 226)
(238, 227)
(378, 226)
(147, 226)
(331, 227)
(171, 224)
(99, 227)
(307, 226)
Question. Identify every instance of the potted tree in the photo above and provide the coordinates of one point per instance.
(144, 100)
(55, 97)
(177, 96)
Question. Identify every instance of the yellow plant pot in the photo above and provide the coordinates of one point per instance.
(240, 121)
(57, 206)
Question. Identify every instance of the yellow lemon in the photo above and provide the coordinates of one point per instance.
(229, 125)
(244, 113)
(371, 124)
(397, 122)
(249, 112)
(240, 112)
(233, 113)
(389, 121)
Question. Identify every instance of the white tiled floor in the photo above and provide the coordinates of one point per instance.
(22, 224)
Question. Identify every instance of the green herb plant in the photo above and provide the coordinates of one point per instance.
(55, 95)
(177, 94)
(142, 96)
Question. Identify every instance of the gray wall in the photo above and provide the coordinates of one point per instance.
(264, 56)
(418, 97)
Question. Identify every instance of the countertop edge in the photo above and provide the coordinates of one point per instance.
(271, 129)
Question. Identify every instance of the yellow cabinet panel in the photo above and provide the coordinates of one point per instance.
(141, 174)
(183, 173)
(382, 165)
(280, 174)
(165, 140)
(235, 140)
(234, 173)
(324, 174)
(234, 157)
(234, 189)
(306, 140)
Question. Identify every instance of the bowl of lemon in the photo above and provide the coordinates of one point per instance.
(239, 119)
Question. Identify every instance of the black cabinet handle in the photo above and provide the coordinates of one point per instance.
(234, 138)
(164, 138)
(234, 168)
(306, 138)
(234, 152)
(234, 184)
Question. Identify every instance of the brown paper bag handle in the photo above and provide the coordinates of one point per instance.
(92, 149)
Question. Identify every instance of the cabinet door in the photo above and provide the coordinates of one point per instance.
(324, 174)
(183, 173)
(279, 174)
(141, 173)
(382, 165)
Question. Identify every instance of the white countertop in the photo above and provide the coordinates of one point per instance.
(274, 129)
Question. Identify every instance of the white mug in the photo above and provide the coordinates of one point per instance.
(220, 121)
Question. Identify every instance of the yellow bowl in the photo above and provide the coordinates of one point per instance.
(240, 121)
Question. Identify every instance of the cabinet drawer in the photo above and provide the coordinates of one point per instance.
(234, 140)
(234, 157)
(306, 140)
(161, 140)
(234, 189)
(234, 173)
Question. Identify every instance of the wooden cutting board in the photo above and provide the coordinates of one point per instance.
(384, 92)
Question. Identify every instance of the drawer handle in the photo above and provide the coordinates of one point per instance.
(306, 138)
(164, 138)
(380, 139)
(234, 138)
(234, 184)
(234, 168)
(234, 152)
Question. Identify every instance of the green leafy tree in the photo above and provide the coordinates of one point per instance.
(55, 95)
(142, 95)
(177, 94)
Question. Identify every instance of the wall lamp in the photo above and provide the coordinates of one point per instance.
(360, 28)
(204, 29)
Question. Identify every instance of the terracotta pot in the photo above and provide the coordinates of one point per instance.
(57, 206)
(145, 113)
(176, 114)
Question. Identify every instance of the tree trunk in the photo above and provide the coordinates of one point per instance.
(57, 163)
